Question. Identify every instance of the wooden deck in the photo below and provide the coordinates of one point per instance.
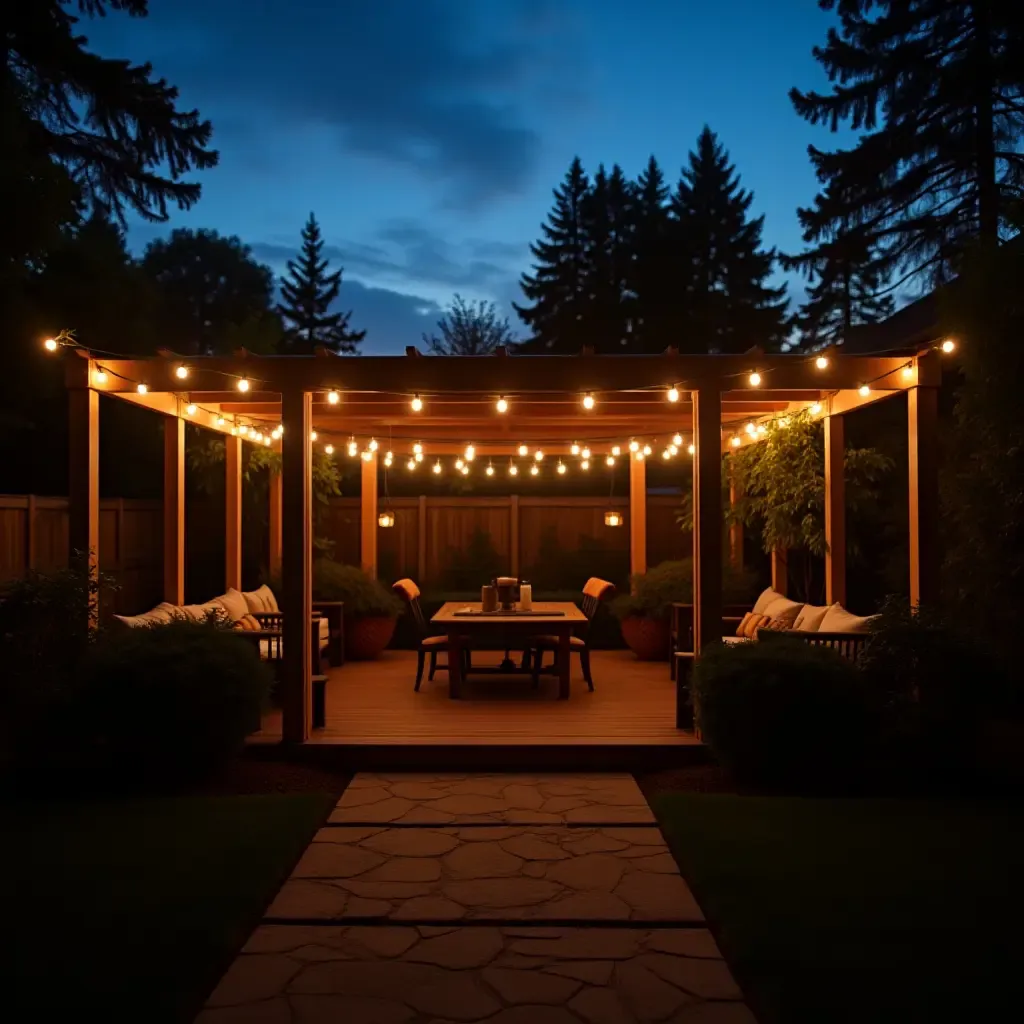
(372, 705)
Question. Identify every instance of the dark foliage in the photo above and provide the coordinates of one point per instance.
(362, 594)
(308, 293)
(784, 713)
(654, 591)
(477, 564)
(470, 329)
(561, 568)
(168, 704)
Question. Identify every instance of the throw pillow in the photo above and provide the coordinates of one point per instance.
(809, 619)
(784, 610)
(753, 624)
(741, 628)
(838, 620)
(248, 623)
(233, 603)
(766, 598)
(775, 625)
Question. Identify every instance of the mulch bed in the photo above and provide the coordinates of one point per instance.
(249, 775)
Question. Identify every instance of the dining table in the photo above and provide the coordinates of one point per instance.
(462, 620)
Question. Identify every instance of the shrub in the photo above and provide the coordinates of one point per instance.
(169, 703)
(782, 713)
(362, 594)
(656, 590)
(478, 564)
(558, 567)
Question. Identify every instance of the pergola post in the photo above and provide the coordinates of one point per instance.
(174, 510)
(233, 512)
(923, 506)
(297, 564)
(735, 526)
(835, 511)
(84, 469)
(780, 576)
(368, 515)
(637, 514)
(707, 518)
(274, 493)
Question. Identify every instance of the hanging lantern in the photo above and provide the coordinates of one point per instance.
(612, 518)
(386, 520)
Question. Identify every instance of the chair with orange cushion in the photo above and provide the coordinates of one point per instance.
(407, 590)
(595, 591)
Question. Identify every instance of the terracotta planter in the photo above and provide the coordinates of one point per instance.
(647, 638)
(367, 635)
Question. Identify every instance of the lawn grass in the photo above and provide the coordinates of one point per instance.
(131, 910)
(859, 910)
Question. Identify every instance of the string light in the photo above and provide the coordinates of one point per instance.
(673, 394)
(459, 463)
(100, 377)
(585, 453)
(353, 448)
(417, 448)
(816, 408)
(949, 345)
(588, 401)
(416, 404)
(465, 470)
(647, 449)
(234, 431)
(634, 446)
(243, 384)
(534, 470)
(751, 429)
(266, 441)
(735, 440)
(610, 460)
(639, 456)
(673, 449)
(329, 449)
(863, 391)
(437, 466)
(523, 450)
(470, 453)
(677, 440)
(821, 362)
(312, 435)
(585, 464)
(220, 423)
(411, 465)
(561, 467)
(191, 410)
(755, 379)
(418, 457)
(575, 449)
(513, 469)
(908, 372)
(366, 455)
(373, 444)
(243, 430)
(181, 372)
(388, 458)
(761, 428)
(616, 451)
(333, 398)
(50, 344)
(666, 454)
(489, 470)
(141, 388)
(692, 449)
(501, 404)
(538, 455)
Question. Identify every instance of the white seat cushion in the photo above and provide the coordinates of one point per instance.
(325, 629)
(736, 640)
(234, 604)
(163, 612)
(783, 610)
(766, 597)
(200, 612)
(838, 620)
(261, 600)
(275, 648)
(809, 619)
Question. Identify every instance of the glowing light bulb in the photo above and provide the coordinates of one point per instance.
(692, 449)
(761, 428)
(616, 450)
(677, 440)
(610, 460)
(220, 423)
(181, 372)
(585, 453)
(411, 465)
(672, 449)
(243, 430)
(735, 440)
(266, 441)
(366, 455)
(949, 345)
(647, 449)
(333, 398)
(416, 404)
(588, 401)
(501, 405)
(234, 431)
(523, 450)
(50, 344)
(465, 471)
(585, 464)
(437, 466)
(863, 391)
(190, 409)
(821, 362)
(908, 372)
(388, 459)
(755, 379)
(634, 446)
(639, 456)
(784, 421)
(373, 444)
(459, 463)
(470, 453)
(575, 449)
(353, 449)
(489, 470)
(751, 429)
(141, 388)
(816, 408)
(673, 394)
(561, 467)
(417, 448)
(666, 455)
(312, 435)
(418, 457)
(513, 469)
(534, 470)
(243, 384)
(100, 377)
(538, 455)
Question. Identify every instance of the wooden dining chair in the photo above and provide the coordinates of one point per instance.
(595, 590)
(407, 590)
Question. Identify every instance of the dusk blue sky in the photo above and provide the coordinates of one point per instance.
(427, 135)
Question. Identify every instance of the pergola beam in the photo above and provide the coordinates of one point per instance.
(174, 510)
(707, 521)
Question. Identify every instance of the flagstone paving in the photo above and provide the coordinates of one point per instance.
(452, 878)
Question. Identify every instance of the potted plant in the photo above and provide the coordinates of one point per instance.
(371, 610)
(645, 612)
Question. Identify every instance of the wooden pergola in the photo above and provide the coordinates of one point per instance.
(295, 402)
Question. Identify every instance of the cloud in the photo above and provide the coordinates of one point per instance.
(440, 86)
(391, 319)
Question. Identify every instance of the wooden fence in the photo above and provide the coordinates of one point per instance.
(536, 537)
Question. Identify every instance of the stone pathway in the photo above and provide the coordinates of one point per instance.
(512, 899)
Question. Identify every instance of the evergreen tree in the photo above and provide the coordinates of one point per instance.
(307, 295)
(607, 227)
(846, 283)
(730, 307)
(937, 89)
(470, 329)
(649, 280)
(557, 288)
